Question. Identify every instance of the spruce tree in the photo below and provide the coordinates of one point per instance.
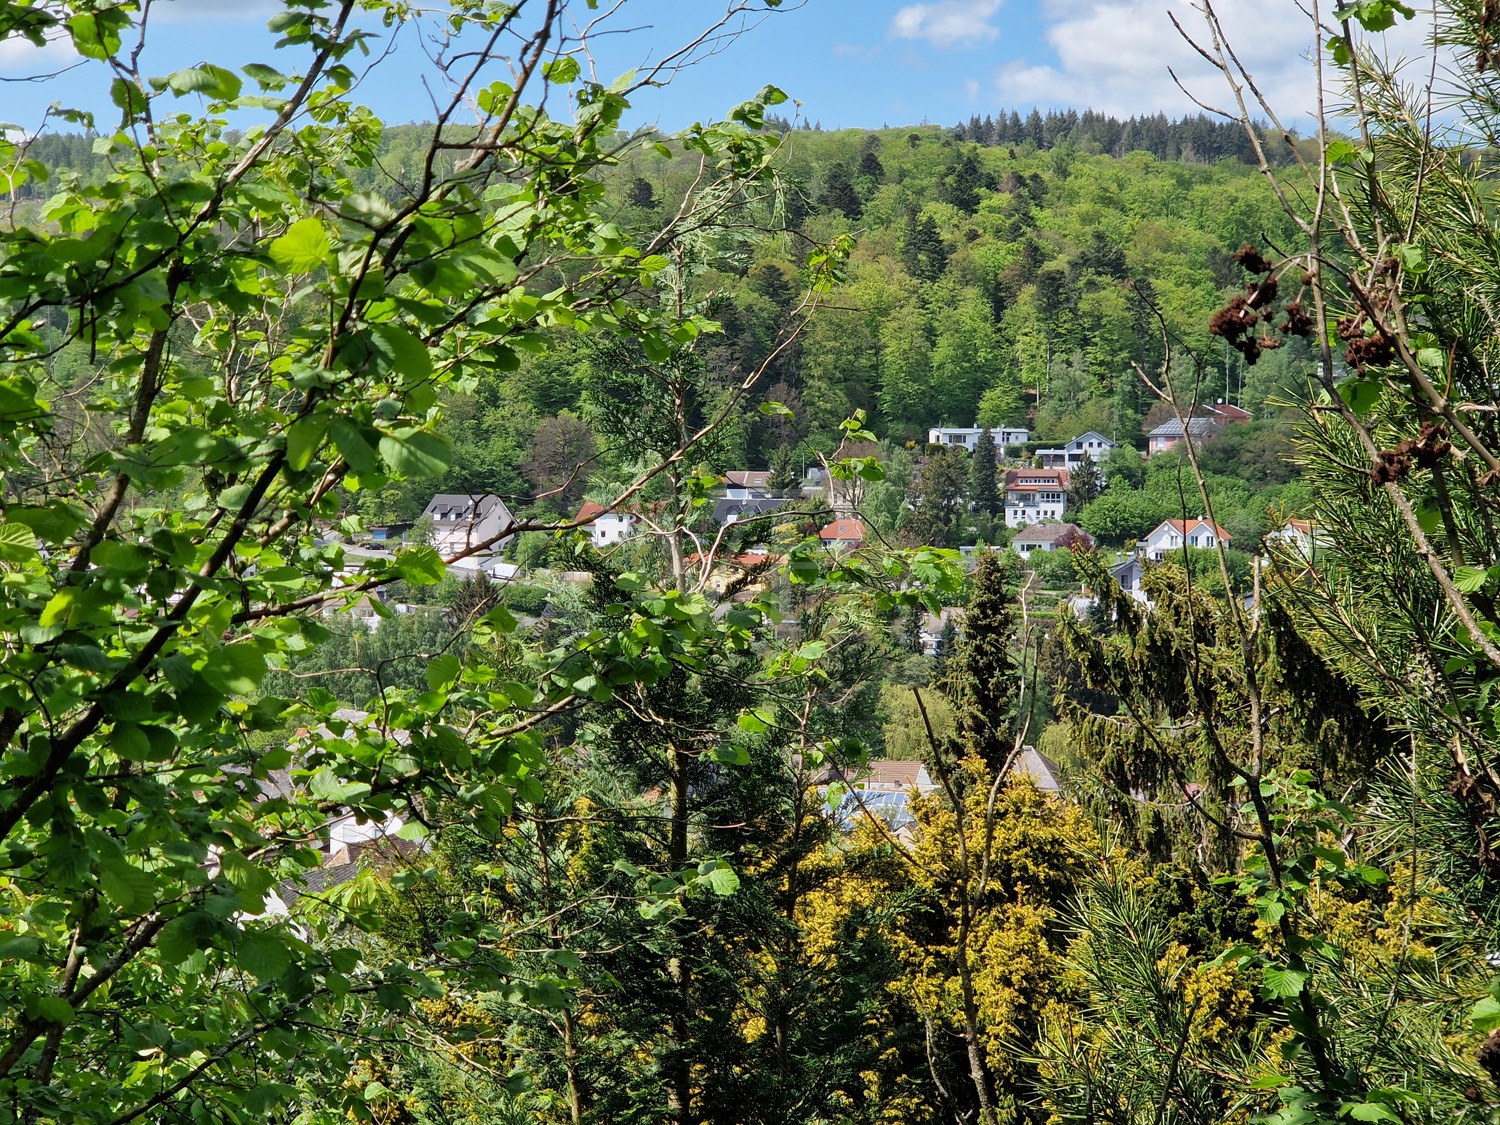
(1084, 486)
(925, 256)
(983, 494)
(839, 194)
(963, 183)
(982, 679)
(784, 479)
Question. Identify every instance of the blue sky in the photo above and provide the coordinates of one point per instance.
(851, 63)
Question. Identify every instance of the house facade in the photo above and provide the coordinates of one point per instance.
(1092, 446)
(1045, 536)
(1302, 536)
(747, 484)
(968, 436)
(1034, 495)
(842, 534)
(1173, 535)
(1171, 433)
(733, 509)
(462, 522)
(607, 528)
(1200, 425)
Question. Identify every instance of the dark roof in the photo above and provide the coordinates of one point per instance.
(1045, 532)
(463, 506)
(724, 510)
(1197, 427)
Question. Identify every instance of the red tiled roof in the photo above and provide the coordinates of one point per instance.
(590, 511)
(1035, 478)
(1185, 526)
(845, 530)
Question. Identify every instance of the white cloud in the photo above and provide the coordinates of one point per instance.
(971, 89)
(1115, 55)
(855, 51)
(948, 23)
(20, 57)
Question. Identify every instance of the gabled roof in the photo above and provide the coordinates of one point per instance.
(1042, 770)
(843, 531)
(748, 478)
(1196, 427)
(1091, 434)
(590, 512)
(1187, 527)
(464, 506)
(1227, 413)
(1036, 478)
(726, 510)
(1049, 532)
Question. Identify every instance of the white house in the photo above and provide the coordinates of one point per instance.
(747, 484)
(607, 528)
(1302, 536)
(461, 522)
(1173, 535)
(842, 534)
(1034, 495)
(1091, 446)
(1045, 536)
(968, 436)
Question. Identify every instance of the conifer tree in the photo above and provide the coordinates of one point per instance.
(839, 194)
(982, 683)
(1085, 484)
(784, 479)
(983, 494)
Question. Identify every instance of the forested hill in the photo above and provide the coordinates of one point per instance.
(1009, 281)
(1006, 283)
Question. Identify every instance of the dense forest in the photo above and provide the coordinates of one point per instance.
(489, 638)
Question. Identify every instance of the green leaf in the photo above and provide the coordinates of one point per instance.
(719, 876)
(442, 671)
(420, 565)
(416, 453)
(214, 81)
(1341, 152)
(1368, 1111)
(1283, 983)
(264, 956)
(49, 1008)
(20, 948)
(562, 70)
(127, 886)
(354, 444)
(754, 722)
(398, 350)
(235, 669)
(1470, 579)
(17, 542)
(303, 248)
(303, 438)
(1361, 395)
(1486, 1014)
(96, 35)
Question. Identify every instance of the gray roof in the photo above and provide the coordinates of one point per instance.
(464, 506)
(1197, 427)
(1044, 532)
(1042, 770)
(725, 510)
